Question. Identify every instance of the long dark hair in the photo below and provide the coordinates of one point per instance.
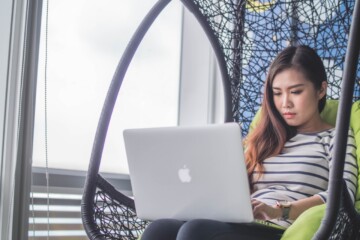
(271, 132)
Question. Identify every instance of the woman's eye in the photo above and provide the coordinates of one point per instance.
(277, 93)
(296, 92)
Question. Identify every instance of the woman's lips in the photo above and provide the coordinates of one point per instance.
(289, 115)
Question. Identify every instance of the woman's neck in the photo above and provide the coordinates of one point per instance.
(317, 125)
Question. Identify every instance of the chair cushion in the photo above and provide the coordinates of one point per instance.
(355, 125)
(330, 111)
(305, 225)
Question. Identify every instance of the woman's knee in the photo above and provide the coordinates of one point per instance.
(196, 229)
(162, 229)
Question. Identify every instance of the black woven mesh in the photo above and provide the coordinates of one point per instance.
(116, 220)
(114, 213)
(251, 33)
(347, 225)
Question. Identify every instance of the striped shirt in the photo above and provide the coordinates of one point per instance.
(302, 170)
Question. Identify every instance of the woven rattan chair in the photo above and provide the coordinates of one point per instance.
(245, 36)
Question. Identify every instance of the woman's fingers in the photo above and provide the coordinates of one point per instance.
(263, 211)
(259, 209)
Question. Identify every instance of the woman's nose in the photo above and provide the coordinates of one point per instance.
(286, 101)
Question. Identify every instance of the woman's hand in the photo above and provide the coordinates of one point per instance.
(263, 211)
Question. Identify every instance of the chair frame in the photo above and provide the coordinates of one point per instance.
(95, 182)
(342, 126)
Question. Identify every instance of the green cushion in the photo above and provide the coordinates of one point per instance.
(307, 223)
(355, 125)
(329, 112)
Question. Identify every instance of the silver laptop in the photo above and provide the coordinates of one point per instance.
(189, 173)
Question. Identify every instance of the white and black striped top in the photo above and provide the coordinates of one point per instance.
(302, 170)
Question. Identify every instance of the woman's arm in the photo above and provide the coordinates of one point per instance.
(350, 168)
(300, 206)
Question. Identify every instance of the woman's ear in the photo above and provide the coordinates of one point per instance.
(323, 89)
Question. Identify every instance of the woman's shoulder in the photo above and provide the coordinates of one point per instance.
(325, 137)
(322, 136)
(321, 133)
(331, 133)
(349, 131)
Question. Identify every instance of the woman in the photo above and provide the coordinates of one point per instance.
(288, 155)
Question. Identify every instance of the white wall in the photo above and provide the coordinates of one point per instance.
(201, 97)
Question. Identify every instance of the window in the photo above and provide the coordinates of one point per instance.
(85, 42)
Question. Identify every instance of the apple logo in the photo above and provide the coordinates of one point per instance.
(184, 174)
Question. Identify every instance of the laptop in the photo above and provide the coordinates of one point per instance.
(189, 173)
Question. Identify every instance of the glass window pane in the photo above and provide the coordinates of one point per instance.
(86, 39)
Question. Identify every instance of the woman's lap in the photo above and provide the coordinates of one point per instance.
(201, 229)
(162, 229)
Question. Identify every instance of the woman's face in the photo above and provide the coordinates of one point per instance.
(296, 99)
